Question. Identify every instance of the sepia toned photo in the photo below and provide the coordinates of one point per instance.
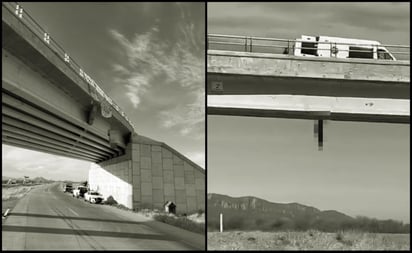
(308, 113)
(103, 126)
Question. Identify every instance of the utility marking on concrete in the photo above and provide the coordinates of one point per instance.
(73, 211)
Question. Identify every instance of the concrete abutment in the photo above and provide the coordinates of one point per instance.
(150, 174)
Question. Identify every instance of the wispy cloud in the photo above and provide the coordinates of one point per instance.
(175, 62)
(187, 118)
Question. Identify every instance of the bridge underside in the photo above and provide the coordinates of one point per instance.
(28, 126)
(37, 114)
(47, 106)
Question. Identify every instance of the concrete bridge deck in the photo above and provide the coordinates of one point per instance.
(230, 73)
(48, 106)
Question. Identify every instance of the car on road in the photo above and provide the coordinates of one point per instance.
(79, 191)
(93, 197)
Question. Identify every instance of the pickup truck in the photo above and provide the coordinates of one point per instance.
(79, 191)
(93, 197)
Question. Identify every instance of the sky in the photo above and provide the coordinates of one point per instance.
(148, 57)
(363, 168)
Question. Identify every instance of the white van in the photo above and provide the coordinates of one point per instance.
(335, 47)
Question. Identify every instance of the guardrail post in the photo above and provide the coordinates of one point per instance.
(245, 44)
(320, 134)
(250, 46)
(288, 46)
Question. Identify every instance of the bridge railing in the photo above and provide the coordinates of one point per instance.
(286, 46)
(96, 92)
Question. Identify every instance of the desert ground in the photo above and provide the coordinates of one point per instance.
(309, 240)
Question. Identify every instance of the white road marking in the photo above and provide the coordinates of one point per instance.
(73, 211)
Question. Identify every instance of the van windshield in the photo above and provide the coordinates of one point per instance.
(384, 55)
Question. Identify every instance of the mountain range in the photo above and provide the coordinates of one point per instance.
(250, 213)
(34, 180)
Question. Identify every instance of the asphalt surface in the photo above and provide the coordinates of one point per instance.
(47, 218)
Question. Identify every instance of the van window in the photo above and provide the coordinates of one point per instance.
(360, 52)
(383, 55)
(309, 48)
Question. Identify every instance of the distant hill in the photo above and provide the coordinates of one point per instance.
(251, 213)
(5, 178)
(38, 180)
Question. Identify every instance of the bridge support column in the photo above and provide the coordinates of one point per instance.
(150, 174)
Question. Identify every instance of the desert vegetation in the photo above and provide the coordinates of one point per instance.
(182, 222)
(253, 223)
(15, 192)
(359, 223)
(11, 195)
(193, 222)
(307, 240)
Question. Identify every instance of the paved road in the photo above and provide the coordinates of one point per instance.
(47, 218)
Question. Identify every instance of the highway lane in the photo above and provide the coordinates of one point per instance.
(47, 218)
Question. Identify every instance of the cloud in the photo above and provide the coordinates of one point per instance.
(173, 60)
(198, 158)
(189, 118)
(384, 22)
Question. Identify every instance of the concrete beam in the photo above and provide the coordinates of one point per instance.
(257, 73)
(313, 115)
(92, 114)
(16, 132)
(30, 85)
(13, 113)
(14, 123)
(314, 108)
(52, 119)
(22, 144)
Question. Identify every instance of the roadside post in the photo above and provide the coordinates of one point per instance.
(221, 223)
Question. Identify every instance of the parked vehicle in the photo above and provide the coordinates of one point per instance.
(335, 47)
(68, 188)
(93, 197)
(79, 191)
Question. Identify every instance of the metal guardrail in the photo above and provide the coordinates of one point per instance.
(96, 92)
(272, 45)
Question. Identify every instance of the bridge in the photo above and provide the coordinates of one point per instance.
(248, 80)
(50, 104)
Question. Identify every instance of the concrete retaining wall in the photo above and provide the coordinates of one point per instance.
(113, 180)
(166, 175)
(156, 173)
